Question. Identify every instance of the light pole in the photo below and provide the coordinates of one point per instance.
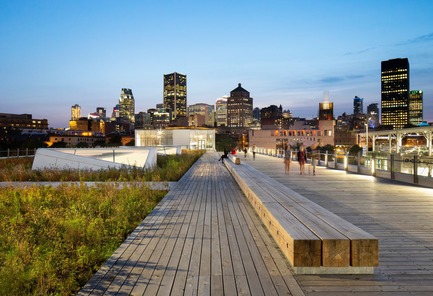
(366, 137)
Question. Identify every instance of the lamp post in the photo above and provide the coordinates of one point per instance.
(366, 136)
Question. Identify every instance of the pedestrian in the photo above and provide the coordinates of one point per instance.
(245, 152)
(287, 159)
(254, 151)
(302, 159)
(314, 157)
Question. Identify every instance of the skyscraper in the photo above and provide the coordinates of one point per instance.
(326, 110)
(373, 115)
(101, 112)
(175, 94)
(221, 111)
(127, 106)
(415, 107)
(395, 93)
(239, 108)
(358, 105)
(75, 112)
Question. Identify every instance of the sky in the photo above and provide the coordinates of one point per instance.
(58, 53)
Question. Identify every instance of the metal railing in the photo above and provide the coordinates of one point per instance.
(414, 169)
(15, 153)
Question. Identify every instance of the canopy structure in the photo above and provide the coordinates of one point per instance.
(393, 138)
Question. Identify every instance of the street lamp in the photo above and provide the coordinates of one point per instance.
(366, 136)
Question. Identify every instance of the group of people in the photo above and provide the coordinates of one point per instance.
(233, 151)
(302, 159)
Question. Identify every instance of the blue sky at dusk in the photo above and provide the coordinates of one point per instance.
(55, 54)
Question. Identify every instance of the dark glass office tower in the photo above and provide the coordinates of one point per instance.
(175, 94)
(358, 105)
(395, 93)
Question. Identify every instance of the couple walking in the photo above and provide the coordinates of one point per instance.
(302, 159)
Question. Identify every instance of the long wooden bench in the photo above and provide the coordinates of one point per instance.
(313, 239)
(235, 159)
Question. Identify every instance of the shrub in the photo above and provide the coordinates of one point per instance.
(53, 239)
(169, 168)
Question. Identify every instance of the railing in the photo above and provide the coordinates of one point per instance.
(407, 168)
(15, 153)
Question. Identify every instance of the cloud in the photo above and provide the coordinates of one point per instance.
(358, 52)
(419, 39)
(336, 79)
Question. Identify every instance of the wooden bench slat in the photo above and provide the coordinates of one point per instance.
(284, 210)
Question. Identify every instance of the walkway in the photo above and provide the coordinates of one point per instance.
(400, 215)
(203, 238)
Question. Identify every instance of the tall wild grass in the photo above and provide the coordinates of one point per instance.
(52, 239)
(168, 168)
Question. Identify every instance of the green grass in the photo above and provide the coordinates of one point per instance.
(169, 168)
(52, 239)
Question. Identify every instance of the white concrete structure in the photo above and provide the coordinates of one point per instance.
(188, 138)
(391, 140)
(94, 158)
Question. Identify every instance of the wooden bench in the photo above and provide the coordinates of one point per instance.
(313, 239)
(235, 159)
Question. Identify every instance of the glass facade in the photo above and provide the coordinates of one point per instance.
(175, 94)
(358, 105)
(127, 106)
(395, 93)
(239, 108)
(415, 107)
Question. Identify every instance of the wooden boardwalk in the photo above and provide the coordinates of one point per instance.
(203, 238)
(400, 215)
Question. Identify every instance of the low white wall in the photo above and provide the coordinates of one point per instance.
(94, 159)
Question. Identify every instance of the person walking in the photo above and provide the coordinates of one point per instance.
(245, 153)
(287, 159)
(254, 151)
(302, 159)
(314, 157)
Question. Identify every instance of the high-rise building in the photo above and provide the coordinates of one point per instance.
(358, 105)
(127, 106)
(373, 115)
(75, 112)
(221, 111)
(175, 94)
(326, 110)
(204, 110)
(415, 107)
(271, 116)
(395, 93)
(101, 112)
(239, 108)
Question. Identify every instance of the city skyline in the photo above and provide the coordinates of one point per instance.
(288, 53)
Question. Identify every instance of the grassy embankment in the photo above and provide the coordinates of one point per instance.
(52, 239)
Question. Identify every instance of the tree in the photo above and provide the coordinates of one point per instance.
(354, 150)
(327, 147)
(82, 145)
(60, 144)
(224, 141)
